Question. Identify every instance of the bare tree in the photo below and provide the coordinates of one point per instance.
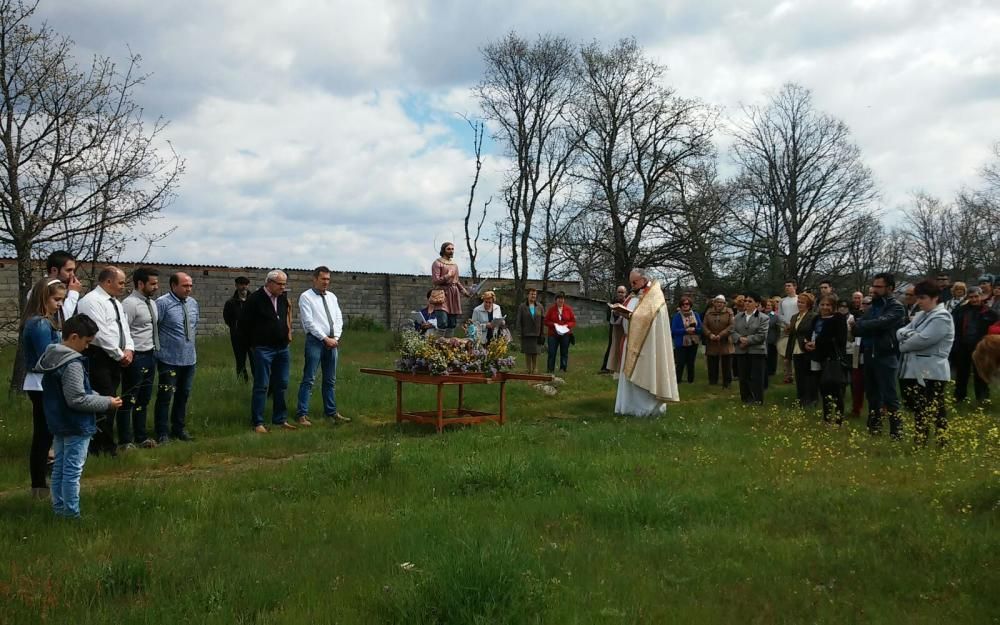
(472, 240)
(79, 165)
(583, 253)
(927, 224)
(700, 224)
(636, 137)
(991, 176)
(526, 91)
(805, 179)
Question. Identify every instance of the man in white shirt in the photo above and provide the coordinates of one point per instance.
(111, 350)
(787, 309)
(323, 323)
(137, 378)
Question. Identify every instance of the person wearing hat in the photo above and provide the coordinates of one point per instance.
(231, 313)
(716, 328)
(972, 322)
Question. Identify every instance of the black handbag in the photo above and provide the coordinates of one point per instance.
(572, 339)
(832, 373)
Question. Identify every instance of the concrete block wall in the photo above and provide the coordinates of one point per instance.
(388, 299)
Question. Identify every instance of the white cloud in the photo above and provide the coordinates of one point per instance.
(325, 131)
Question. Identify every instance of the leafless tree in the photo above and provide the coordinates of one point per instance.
(80, 167)
(991, 176)
(583, 253)
(526, 91)
(928, 224)
(472, 239)
(805, 178)
(636, 137)
(700, 224)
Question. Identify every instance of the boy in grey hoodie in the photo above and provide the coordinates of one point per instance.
(70, 407)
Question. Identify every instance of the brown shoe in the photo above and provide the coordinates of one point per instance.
(260, 429)
(287, 426)
(305, 422)
(339, 418)
(40, 493)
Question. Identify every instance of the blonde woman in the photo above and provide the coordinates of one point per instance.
(488, 318)
(800, 332)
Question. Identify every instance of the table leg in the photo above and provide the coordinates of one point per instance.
(399, 401)
(440, 410)
(503, 401)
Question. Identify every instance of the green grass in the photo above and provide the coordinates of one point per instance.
(567, 514)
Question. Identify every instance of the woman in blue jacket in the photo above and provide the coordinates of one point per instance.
(39, 329)
(686, 329)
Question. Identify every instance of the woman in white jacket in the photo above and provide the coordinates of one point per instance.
(488, 318)
(924, 345)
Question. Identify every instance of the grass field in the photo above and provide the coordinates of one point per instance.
(712, 514)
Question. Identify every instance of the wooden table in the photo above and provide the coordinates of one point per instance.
(450, 416)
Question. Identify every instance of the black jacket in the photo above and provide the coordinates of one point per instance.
(232, 312)
(261, 326)
(877, 328)
(801, 332)
(971, 325)
(831, 341)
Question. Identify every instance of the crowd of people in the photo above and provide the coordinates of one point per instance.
(886, 351)
(94, 361)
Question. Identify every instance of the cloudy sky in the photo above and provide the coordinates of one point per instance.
(327, 131)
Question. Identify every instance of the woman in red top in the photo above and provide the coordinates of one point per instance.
(562, 315)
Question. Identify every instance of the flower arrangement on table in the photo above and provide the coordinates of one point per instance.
(439, 355)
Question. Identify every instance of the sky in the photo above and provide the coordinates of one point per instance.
(330, 131)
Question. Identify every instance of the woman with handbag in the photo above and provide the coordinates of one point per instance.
(531, 328)
(686, 330)
(826, 351)
(799, 332)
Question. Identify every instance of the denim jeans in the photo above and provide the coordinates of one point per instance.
(560, 343)
(174, 387)
(317, 355)
(270, 370)
(71, 454)
(137, 391)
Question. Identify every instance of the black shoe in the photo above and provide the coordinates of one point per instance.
(183, 436)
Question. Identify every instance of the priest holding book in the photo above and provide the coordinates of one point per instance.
(647, 378)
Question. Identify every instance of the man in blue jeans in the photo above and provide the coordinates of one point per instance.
(177, 325)
(323, 324)
(266, 327)
(880, 353)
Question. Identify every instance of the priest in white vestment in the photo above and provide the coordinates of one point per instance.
(646, 378)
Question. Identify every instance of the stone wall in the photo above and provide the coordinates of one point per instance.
(387, 299)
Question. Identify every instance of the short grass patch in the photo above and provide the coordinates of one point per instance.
(568, 514)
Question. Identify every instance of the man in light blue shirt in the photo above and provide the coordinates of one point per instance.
(177, 325)
(323, 323)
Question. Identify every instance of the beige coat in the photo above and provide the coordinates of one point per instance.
(720, 324)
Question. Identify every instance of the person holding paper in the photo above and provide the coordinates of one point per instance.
(647, 377)
(432, 318)
(488, 318)
(560, 321)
